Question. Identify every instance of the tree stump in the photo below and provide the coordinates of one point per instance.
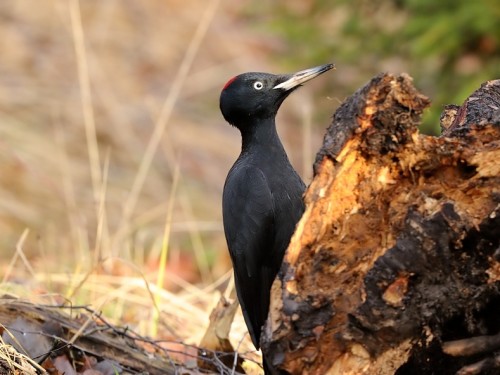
(398, 251)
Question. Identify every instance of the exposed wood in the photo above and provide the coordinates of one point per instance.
(216, 353)
(472, 346)
(397, 251)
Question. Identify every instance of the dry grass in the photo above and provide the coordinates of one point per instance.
(15, 363)
(100, 104)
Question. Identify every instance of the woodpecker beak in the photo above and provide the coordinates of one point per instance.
(303, 76)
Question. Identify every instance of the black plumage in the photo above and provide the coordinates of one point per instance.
(262, 199)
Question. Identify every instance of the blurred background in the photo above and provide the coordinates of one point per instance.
(113, 150)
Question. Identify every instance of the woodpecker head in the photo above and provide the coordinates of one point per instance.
(250, 97)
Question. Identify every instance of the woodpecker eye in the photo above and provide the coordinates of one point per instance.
(258, 85)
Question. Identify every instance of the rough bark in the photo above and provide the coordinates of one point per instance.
(398, 250)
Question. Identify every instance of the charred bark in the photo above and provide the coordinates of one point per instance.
(398, 250)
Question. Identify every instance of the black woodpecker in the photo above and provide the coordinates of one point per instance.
(262, 198)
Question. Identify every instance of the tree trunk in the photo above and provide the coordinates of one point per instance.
(398, 250)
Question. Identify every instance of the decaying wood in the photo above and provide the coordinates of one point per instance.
(62, 332)
(398, 250)
(216, 353)
(472, 346)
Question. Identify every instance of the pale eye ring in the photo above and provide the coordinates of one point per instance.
(258, 85)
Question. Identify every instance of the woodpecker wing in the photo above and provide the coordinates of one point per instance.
(249, 227)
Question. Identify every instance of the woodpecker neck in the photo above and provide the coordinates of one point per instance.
(261, 135)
